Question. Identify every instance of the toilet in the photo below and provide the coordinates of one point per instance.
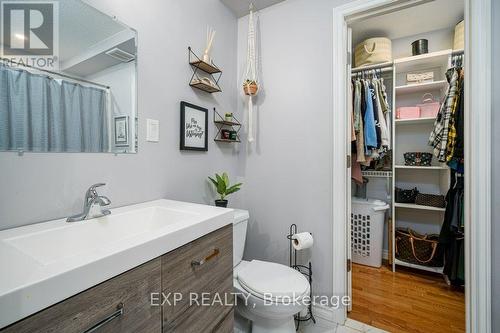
(274, 292)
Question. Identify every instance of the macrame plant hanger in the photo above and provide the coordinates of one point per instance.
(250, 83)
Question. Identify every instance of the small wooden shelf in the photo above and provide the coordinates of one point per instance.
(205, 87)
(414, 206)
(421, 267)
(432, 167)
(206, 67)
(421, 87)
(226, 140)
(423, 61)
(210, 69)
(227, 123)
(415, 121)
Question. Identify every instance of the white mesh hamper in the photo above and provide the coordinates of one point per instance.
(367, 231)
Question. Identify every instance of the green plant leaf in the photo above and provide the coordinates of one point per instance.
(234, 188)
(226, 179)
(213, 181)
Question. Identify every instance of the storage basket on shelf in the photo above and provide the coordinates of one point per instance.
(418, 249)
(429, 108)
(367, 231)
(407, 112)
(406, 196)
(417, 159)
(459, 38)
(373, 51)
(433, 200)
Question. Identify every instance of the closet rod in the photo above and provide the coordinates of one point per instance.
(386, 66)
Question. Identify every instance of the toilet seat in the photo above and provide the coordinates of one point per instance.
(273, 282)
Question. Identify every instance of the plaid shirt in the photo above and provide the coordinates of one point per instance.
(439, 136)
(452, 130)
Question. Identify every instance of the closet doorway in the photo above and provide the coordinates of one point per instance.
(406, 215)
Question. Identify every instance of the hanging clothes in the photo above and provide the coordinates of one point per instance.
(439, 135)
(451, 236)
(371, 119)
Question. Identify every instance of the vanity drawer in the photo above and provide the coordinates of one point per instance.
(86, 310)
(202, 266)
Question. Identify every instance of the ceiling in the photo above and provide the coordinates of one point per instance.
(431, 16)
(240, 7)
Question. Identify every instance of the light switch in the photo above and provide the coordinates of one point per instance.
(152, 130)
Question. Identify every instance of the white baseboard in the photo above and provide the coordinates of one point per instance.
(328, 315)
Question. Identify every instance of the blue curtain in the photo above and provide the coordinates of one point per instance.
(40, 114)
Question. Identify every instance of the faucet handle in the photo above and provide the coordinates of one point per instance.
(92, 192)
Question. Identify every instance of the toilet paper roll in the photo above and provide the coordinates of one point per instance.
(303, 240)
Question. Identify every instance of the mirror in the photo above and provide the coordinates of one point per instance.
(68, 79)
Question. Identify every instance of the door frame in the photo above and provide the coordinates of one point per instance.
(477, 151)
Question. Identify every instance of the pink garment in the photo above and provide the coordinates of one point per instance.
(356, 174)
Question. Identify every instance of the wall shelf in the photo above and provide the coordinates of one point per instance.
(221, 123)
(210, 69)
(421, 87)
(414, 206)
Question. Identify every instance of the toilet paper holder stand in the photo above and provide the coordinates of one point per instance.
(306, 270)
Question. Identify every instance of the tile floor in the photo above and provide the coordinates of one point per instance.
(350, 326)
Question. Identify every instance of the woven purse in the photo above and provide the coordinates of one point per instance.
(418, 159)
(406, 196)
(433, 200)
(418, 249)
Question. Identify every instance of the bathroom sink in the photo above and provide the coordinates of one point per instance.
(71, 239)
(67, 258)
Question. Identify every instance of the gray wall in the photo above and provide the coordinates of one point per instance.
(39, 187)
(495, 196)
(288, 170)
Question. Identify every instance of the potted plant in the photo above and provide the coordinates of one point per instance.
(250, 87)
(221, 183)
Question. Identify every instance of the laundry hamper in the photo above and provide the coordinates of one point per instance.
(367, 231)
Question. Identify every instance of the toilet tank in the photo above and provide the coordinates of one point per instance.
(240, 224)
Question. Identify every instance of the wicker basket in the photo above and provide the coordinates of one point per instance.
(433, 200)
(458, 40)
(418, 249)
(373, 51)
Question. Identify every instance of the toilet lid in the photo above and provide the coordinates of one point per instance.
(271, 280)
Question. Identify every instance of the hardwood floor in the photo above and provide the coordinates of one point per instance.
(405, 301)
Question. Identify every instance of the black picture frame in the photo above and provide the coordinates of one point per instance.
(186, 142)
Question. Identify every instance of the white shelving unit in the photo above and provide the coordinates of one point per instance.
(412, 135)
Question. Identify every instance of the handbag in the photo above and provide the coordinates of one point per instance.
(417, 159)
(373, 51)
(406, 196)
(418, 249)
(433, 200)
(429, 108)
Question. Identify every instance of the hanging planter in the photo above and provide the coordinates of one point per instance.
(250, 79)
(250, 88)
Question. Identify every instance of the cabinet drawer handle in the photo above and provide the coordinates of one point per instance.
(114, 315)
(212, 255)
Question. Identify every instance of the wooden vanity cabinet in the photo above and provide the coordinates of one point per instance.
(123, 303)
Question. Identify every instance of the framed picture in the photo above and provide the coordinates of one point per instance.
(194, 127)
(121, 131)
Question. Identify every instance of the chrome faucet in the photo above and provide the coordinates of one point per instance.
(93, 205)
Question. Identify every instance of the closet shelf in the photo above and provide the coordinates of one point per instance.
(433, 167)
(423, 61)
(414, 121)
(414, 206)
(421, 267)
(421, 87)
